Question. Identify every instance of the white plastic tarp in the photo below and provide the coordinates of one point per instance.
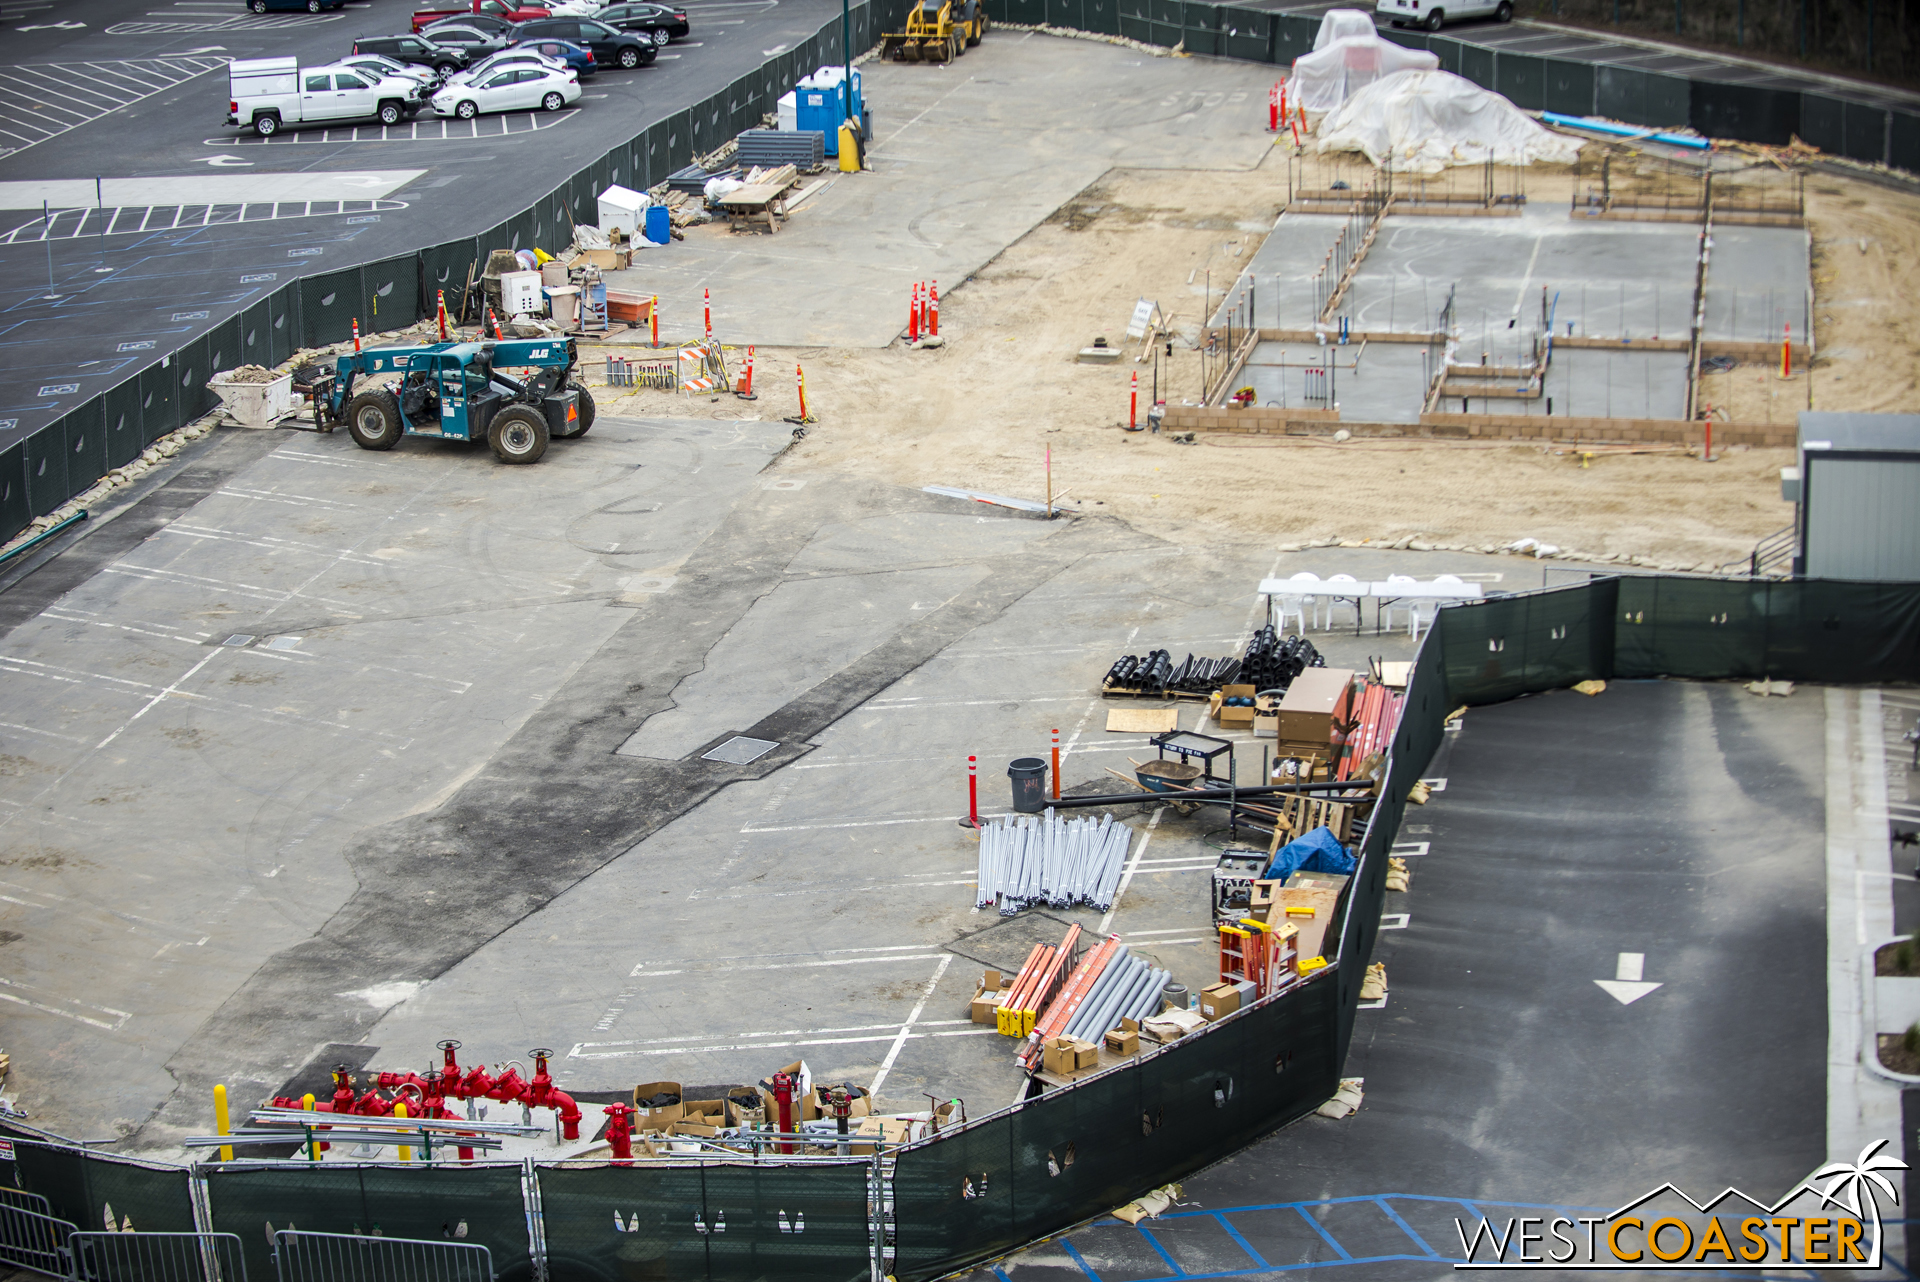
(1423, 121)
(1325, 78)
(1338, 24)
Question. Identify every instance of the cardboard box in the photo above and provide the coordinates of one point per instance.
(665, 1113)
(1235, 716)
(1260, 898)
(607, 260)
(1219, 1001)
(859, 1106)
(1316, 699)
(992, 990)
(889, 1130)
(1085, 1055)
(1266, 725)
(1123, 1041)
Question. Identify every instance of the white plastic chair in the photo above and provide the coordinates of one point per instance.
(1308, 599)
(1292, 606)
(1343, 590)
(1393, 606)
(1420, 615)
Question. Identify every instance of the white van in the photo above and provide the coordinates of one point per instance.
(1432, 13)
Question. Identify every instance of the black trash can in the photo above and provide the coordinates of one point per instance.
(1029, 775)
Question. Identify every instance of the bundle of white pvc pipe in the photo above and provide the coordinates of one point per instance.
(1027, 861)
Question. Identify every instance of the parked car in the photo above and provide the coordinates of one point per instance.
(414, 51)
(1405, 13)
(577, 58)
(476, 43)
(610, 45)
(308, 6)
(378, 66)
(491, 23)
(268, 94)
(516, 87)
(526, 55)
(481, 8)
(658, 21)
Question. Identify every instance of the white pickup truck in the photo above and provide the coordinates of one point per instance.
(269, 94)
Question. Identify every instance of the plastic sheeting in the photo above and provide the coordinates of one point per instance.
(1423, 121)
(1328, 77)
(1339, 24)
(1318, 851)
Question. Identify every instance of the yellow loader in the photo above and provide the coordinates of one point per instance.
(937, 31)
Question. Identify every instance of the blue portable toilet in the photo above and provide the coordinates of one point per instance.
(820, 103)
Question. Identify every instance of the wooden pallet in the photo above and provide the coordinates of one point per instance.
(1301, 814)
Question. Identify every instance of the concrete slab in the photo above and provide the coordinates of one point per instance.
(967, 159)
(1757, 282)
(175, 808)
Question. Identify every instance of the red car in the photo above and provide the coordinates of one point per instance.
(488, 8)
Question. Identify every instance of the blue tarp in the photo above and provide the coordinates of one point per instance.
(1318, 851)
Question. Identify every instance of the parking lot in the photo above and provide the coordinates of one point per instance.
(135, 89)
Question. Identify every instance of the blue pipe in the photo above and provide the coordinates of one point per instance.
(1624, 131)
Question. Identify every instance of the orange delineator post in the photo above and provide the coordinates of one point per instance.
(356, 333)
(800, 377)
(933, 309)
(440, 310)
(1786, 351)
(653, 315)
(706, 307)
(1056, 763)
(913, 314)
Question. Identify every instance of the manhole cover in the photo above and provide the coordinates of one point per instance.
(238, 638)
(740, 751)
(1004, 947)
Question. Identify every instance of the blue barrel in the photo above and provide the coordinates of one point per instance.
(659, 228)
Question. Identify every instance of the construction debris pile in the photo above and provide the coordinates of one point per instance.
(1027, 862)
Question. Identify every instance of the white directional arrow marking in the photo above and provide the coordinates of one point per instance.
(1626, 986)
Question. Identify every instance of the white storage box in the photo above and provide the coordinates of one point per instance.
(623, 208)
(520, 293)
(787, 112)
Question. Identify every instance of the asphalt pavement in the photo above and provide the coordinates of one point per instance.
(119, 90)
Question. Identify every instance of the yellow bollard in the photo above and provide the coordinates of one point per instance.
(313, 1147)
(221, 1124)
(406, 1150)
(849, 150)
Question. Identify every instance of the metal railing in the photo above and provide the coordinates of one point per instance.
(299, 1256)
(1774, 552)
(34, 1239)
(156, 1257)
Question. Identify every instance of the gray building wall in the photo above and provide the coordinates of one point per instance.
(1862, 516)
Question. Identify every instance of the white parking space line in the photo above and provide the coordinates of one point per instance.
(41, 100)
(72, 224)
(247, 23)
(422, 130)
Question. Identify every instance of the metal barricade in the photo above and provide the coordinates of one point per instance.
(33, 1239)
(157, 1257)
(300, 1256)
(24, 1200)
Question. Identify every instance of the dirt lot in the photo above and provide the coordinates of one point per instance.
(983, 411)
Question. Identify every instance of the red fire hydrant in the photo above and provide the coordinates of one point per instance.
(782, 1085)
(620, 1129)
